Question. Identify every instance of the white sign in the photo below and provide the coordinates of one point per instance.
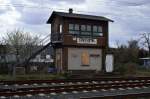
(86, 41)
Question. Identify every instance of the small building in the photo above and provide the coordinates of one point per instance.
(80, 41)
(145, 62)
(40, 62)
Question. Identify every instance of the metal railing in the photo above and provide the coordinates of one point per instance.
(56, 37)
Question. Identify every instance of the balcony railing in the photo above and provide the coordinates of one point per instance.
(68, 39)
(56, 37)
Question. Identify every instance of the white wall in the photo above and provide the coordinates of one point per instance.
(74, 59)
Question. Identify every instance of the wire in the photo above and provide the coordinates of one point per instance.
(27, 6)
(40, 7)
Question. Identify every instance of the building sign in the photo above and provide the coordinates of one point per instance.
(86, 41)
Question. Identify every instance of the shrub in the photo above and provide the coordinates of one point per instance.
(127, 68)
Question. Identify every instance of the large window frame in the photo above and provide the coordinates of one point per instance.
(74, 29)
(97, 30)
(85, 30)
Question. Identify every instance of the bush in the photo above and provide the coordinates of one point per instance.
(129, 69)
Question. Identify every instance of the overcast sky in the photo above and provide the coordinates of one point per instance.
(131, 17)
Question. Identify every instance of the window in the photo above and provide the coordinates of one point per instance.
(95, 59)
(94, 28)
(77, 27)
(83, 28)
(85, 61)
(89, 28)
(60, 28)
(73, 28)
(86, 30)
(97, 30)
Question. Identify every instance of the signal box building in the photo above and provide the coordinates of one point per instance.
(80, 41)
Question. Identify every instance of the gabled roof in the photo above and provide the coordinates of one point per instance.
(79, 16)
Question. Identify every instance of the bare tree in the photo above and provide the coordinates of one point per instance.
(145, 41)
(133, 50)
(20, 44)
(127, 52)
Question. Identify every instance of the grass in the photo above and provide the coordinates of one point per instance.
(139, 72)
(128, 72)
(143, 72)
(33, 77)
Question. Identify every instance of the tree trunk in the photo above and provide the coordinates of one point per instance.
(149, 51)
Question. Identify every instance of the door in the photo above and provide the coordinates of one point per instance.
(109, 63)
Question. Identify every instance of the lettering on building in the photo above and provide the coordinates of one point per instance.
(86, 41)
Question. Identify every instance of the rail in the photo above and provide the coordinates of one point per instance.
(34, 87)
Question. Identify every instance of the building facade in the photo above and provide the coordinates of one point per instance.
(80, 41)
(145, 62)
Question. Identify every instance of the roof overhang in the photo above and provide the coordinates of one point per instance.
(79, 16)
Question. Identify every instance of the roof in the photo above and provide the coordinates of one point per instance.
(79, 16)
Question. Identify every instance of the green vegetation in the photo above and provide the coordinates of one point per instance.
(127, 69)
(33, 77)
(127, 59)
(132, 70)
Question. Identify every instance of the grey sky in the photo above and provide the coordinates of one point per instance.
(131, 17)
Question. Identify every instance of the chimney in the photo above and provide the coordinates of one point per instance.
(70, 10)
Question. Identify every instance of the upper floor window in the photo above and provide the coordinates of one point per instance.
(86, 29)
(74, 28)
(97, 30)
(60, 28)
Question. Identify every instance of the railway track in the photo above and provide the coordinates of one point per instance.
(52, 87)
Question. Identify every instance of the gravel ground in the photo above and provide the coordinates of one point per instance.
(78, 95)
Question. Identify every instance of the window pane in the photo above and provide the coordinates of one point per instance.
(85, 33)
(71, 32)
(98, 34)
(76, 27)
(95, 28)
(99, 29)
(76, 32)
(88, 28)
(95, 34)
(71, 26)
(83, 28)
(60, 28)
